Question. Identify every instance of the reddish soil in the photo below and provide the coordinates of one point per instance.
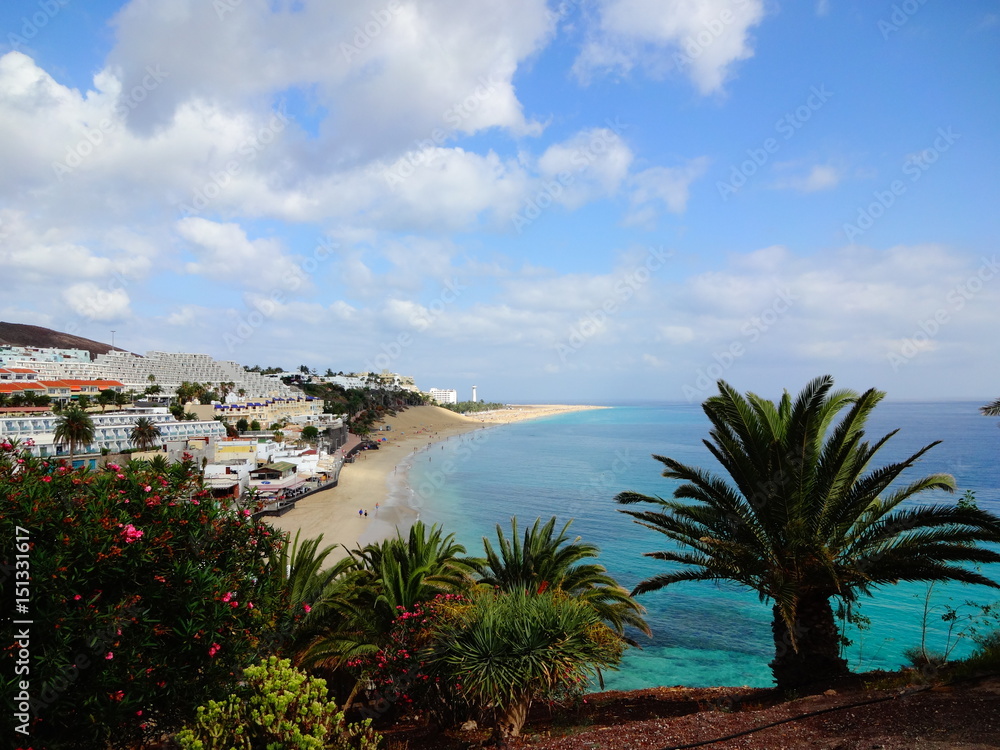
(842, 716)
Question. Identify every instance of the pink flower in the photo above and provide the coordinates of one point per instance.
(109, 657)
(246, 511)
(234, 604)
(118, 696)
(249, 605)
(194, 502)
(77, 598)
(46, 479)
(139, 712)
(307, 608)
(147, 488)
(120, 475)
(114, 467)
(132, 534)
(227, 596)
(214, 649)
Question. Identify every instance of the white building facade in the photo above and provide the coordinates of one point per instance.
(443, 395)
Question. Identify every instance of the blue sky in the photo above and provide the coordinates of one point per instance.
(562, 201)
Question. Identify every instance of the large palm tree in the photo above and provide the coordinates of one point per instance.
(145, 434)
(802, 518)
(74, 427)
(991, 410)
(544, 559)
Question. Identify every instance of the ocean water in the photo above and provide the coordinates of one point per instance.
(572, 465)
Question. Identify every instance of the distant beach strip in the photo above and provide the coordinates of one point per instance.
(376, 482)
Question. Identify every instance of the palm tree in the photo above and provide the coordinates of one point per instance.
(801, 518)
(546, 560)
(415, 569)
(991, 410)
(145, 434)
(382, 576)
(74, 427)
(105, 398)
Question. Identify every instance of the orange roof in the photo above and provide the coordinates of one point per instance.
(21, 385)
(21, 369)
(98, 383)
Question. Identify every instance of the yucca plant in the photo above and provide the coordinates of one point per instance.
(507, 649)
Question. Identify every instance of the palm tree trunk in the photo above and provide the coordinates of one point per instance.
(816, 654)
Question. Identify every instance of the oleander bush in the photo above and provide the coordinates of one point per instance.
(146, 596)
(276, 706)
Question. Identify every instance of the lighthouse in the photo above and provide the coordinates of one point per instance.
(473, 394)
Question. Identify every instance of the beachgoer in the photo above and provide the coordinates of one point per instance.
(360, 511)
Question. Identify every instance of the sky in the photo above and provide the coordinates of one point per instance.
(567, 201)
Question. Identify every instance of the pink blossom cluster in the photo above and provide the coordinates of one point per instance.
(132, 534)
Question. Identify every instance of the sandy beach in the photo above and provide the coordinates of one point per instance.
(365, 483)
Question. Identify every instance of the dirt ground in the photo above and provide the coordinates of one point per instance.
(841, 716)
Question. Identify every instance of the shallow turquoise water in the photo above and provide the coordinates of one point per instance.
(572, 465)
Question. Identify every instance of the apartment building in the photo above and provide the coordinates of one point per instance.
(165, 369)
(111, 432)
(444, 396)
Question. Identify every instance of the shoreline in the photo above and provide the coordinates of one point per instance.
(378, 480)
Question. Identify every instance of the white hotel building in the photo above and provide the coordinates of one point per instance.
(111, 432)
(444, 396)
(167, 369)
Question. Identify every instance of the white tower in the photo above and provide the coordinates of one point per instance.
(473, 394)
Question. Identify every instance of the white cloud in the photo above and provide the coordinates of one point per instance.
(666, 186)
(589, 165)
(699, 38)
(406, 67)
(819, 177)
(226, 255)
(97, 303)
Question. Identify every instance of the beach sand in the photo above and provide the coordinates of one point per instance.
(366, 482)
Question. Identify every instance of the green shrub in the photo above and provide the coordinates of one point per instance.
(276, 707)
(146, 596)
(507, 649)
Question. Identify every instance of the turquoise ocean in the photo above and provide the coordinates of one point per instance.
(572, 465)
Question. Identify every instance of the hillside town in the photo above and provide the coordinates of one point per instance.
(270, 437)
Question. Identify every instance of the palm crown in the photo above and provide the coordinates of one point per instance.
(802, 518)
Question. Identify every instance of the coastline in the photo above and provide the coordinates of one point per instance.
(380, 477)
